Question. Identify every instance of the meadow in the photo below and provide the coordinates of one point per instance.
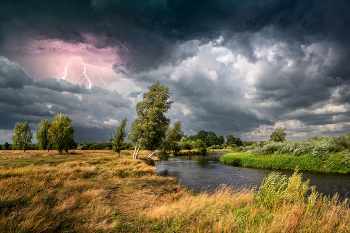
(99, 191)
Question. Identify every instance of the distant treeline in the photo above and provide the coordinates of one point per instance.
(211, 139)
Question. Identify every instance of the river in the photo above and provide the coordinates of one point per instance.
(207, 173)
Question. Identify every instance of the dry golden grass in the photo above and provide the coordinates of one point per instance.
(92, 191)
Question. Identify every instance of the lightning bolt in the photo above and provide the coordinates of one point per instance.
(124, 47)
(65, 72)
(85, 75)
(104, 83)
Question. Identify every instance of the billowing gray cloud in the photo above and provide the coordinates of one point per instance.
(93, 110)
(240, 67)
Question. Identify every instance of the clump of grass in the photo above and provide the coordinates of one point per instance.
(277, 189)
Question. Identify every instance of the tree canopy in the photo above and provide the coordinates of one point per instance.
(151, 124)
(61, 133)
(278, 135)
(22, 136)
(42, 135)
(173, 136)
(231, 140)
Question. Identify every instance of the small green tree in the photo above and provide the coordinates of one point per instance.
(42, 135)
(6, 146)
(278, 135)
(22, 136)
(201, 146)
(61, 133)
(119, 135)
(174, 135)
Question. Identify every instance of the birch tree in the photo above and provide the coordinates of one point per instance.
(149, 128)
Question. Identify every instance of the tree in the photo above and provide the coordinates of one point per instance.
(278, 135)
(61, 133)
(221, 140)
(151, 123)
(174, 134)
(42, 135)
(231, 140)
(201, 146)
(6, 146)
(118, 139)
(211, 138)
(135, 136)
(22, 136)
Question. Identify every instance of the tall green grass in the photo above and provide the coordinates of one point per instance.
(335, 163)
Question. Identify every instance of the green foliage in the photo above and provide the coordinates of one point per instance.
(6, 146)
(220, 140)
(335, 163)
(151, 123)
(231, 140)
(321, 150)
(278, 135)
(277, 189)
(42, 135)
(120, 134)
(22, 136)
(346, 159)
(94, 146)
(174, 135)
(200, 145)
(61, 133)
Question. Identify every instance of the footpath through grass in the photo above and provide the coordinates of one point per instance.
(98, 191)
(334, 163)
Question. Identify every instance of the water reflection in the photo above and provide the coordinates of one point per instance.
(207, 173)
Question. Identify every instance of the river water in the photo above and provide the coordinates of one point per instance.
(207, 173)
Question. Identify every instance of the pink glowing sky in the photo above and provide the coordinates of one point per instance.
(51, 58)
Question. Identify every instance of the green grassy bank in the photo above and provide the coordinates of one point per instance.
(335, 163)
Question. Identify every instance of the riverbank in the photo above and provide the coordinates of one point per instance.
(333, 164)
(99, 191)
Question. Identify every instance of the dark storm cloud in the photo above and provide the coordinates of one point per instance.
(92, 109)
(147, 32)
(60, 86)
(306, 69)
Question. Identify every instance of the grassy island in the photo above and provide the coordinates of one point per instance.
(99, 191)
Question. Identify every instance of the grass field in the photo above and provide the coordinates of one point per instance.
(98, 191)
(334, 163)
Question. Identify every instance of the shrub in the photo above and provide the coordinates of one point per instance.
(346, 159)
(321, 150)
(277, 189)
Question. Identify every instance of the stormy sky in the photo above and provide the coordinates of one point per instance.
(238, 67)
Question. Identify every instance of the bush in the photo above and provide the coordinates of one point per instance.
(346, 159)
(276, 189)
(321, 151)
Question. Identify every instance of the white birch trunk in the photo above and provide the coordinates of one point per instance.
(137, 153)
(135, 150)
(152, 153)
